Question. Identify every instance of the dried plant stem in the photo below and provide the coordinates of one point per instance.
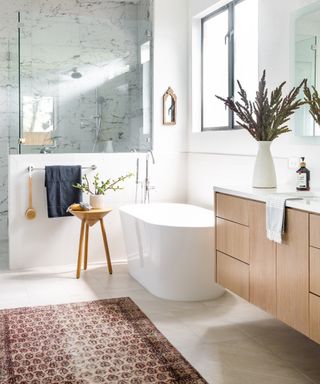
(265, 118)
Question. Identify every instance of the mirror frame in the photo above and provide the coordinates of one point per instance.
(169, 93)
(303, 10)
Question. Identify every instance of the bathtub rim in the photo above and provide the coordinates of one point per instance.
(210, 213)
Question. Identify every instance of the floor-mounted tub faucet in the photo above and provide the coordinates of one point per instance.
(147, 186)
(139, 183)
(143, 185)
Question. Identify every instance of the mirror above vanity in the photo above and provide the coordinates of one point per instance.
(307, 63)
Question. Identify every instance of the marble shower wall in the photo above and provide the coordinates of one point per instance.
(8, 101)
(100, 38)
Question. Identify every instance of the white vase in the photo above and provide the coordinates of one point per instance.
(264, 175)
(97, 201)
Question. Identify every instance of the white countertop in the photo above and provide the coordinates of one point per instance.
(310, 200)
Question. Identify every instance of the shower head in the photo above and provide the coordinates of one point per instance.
(75, 74)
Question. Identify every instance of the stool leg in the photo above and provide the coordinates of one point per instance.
(105, 241)
(86, 242)
(83, 223)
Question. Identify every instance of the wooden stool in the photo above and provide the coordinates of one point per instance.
(89, 219)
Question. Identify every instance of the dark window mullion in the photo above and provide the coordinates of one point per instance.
(202, 65)
(231, 60)
(230, 8)
(203, 20)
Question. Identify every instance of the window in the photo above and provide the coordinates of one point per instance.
(229, 53)
(38, 120)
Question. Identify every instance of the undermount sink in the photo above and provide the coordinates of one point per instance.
(310, 195)
(306, 195)
(312, 198)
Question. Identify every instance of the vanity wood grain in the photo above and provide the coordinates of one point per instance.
(315, 231)
(232, 208)
(283, 279)
(315, 318)
(315, 270)
(263, 261)
(233, 239)
(293, 272)
(233, 274)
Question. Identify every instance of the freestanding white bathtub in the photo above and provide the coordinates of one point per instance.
(170, 250)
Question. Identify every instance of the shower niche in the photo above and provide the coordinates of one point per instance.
(85, 79)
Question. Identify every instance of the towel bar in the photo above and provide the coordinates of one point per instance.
(31, 168)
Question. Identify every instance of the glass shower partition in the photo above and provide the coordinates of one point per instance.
(85, 81)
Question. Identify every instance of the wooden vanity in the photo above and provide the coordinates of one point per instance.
(282, 279)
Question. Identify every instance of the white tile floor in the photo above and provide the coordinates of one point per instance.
(228, 340)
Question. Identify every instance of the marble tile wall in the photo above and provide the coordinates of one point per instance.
(101, 39)
(8, 104)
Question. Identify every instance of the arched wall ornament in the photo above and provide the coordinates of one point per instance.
(169, 107)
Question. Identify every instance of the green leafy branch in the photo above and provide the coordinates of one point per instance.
(313, 100)
(265, 118)
(100, 187)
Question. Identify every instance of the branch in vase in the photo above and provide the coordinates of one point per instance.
(265, 119)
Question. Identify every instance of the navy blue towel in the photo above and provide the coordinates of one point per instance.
(60, 192)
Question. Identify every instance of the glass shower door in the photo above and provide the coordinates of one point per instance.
(86, 81)
(49, 96)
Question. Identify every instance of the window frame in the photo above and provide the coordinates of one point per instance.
(230, 8)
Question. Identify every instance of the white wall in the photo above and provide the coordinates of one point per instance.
(207, 166)
(170, 69)
(45, 241)
(54, 241)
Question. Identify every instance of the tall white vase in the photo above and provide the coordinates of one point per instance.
(264, 175)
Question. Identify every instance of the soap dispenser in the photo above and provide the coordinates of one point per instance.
(303, 177)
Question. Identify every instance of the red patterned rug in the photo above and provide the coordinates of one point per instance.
(106, 341)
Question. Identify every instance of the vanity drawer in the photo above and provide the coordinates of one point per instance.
(315, 318)
(315, 231)
(315, 270)
(232, 208)
(233, 274)
(233, 239)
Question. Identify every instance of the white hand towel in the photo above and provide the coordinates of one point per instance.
(275, 215)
